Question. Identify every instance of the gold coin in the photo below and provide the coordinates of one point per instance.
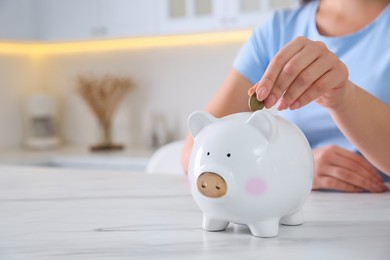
(255, 104)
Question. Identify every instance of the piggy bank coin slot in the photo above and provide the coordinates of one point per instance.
(211, 185)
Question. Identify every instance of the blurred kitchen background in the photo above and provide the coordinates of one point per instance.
(175, 52)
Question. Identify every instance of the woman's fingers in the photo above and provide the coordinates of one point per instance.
(305, 67)
(301, 72)
(302, 84)
(267, 82)
(345, 167)
(351, 177)
(357, 163)
(335, 184)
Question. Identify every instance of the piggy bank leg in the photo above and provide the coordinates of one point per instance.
(293, 219)
(213, 224)
(265, 228)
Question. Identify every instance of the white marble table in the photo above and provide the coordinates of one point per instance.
(85, 214)
(130, 159)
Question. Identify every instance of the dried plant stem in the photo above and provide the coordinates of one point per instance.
(103, 96)
(106, 131)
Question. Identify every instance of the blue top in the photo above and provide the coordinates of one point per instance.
(366, 53)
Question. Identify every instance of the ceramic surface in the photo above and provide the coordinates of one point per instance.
(249, 168)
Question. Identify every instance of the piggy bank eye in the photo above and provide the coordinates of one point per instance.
(208, 153)
(228, 155)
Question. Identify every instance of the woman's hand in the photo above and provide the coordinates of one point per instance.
(303, 71)
(343, 170)
(186, 152)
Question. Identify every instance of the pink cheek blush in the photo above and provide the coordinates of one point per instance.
(255, 186)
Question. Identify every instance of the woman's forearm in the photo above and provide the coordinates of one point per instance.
(231, 97)
(365, 121)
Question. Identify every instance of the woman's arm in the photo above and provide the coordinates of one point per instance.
(304, 71)
(336, 168)
(365, 121)
(231, 97)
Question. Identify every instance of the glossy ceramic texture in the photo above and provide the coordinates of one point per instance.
(249, 168)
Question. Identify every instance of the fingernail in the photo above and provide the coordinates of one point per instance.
(282, 105)
(295, 105)
(271, 100)
(253, 89)
(261, 93)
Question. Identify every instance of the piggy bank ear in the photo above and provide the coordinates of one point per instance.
(198, 120)
(265, 122)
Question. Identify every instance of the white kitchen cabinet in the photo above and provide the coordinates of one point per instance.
(248, 13)
(128, 17)
(16, 20)
(59, 20)
(66, 20)
(178, 16)
(69, 20)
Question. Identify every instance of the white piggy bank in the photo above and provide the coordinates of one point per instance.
(249, 168)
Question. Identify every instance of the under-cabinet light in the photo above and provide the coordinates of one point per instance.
(43, 48)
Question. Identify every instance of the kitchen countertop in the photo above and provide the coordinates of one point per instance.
(131, 158)
(54, 213)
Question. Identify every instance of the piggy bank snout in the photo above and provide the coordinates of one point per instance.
(211, 185)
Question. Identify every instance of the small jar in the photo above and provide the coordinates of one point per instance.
(41, 123)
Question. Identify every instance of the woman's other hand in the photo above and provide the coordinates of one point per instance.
(343, 170)
(186, 152)
(303, 71)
